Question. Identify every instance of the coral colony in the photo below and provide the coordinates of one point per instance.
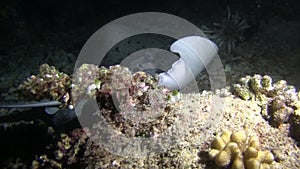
(279, 101)
(240, 151)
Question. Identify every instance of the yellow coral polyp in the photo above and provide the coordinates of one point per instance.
(239, 151)
(239, 137)
(238, 163)
(223, 159)
(233, 149)
(265, 166)
(250, 152)
(252, 163)
(213, 153)
(254, 142)
(226, 136)
(218, 143)
(265, 157)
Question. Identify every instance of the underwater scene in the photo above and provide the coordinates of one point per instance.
(150, 84)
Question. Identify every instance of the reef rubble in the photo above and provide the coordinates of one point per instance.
(191, 121)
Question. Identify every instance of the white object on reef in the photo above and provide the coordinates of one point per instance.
(195, 54)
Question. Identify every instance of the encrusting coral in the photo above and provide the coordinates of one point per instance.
(279, 101)
(238, 150)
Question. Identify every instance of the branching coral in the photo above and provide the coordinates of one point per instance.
(228, 32)
(239, 151)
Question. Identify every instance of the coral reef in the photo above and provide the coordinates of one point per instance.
(134, 103)
(86, 81)
(279, 101)
(135, 106)
(229, 32)
(192, 151)
(239, 151)
(50, 83)
(126, 99)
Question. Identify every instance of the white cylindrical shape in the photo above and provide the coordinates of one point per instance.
(195, 53)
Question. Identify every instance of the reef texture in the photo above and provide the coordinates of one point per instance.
(133, 106)
(87, 80)
(279, 101)
(193, 150)
(49, 83)
(133, 103)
